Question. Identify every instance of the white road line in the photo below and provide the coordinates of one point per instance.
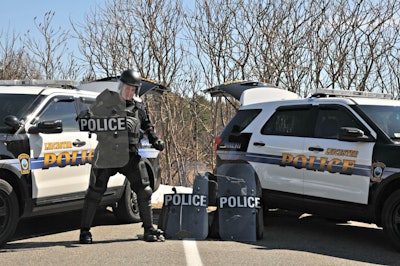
(191, 253)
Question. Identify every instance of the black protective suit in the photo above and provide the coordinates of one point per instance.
(99, 176)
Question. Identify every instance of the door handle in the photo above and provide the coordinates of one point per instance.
(315, 149)
(258, 143)
(78, 143)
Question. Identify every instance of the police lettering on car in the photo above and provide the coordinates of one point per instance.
(65, 158)
(334, 165)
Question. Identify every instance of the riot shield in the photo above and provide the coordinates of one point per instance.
(184, 216)
(238, 204)
(106, 117)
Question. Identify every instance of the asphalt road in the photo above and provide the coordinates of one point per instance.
(288, 240)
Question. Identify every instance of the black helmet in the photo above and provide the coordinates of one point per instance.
(131, 78)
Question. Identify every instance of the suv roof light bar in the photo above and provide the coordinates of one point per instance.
(347, 93)
(36, 82)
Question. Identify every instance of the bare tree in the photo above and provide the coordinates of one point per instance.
(15, 62)
(50, 51)
(217, 45)
(297, 45)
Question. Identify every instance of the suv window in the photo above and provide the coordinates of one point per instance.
(63, 110)
(330, 119)
(386, 117)
(289, 121)
(241, 120)
(17, 105)
(84, 103)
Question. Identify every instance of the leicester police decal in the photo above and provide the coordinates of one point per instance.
(332, 165)
(24, 162)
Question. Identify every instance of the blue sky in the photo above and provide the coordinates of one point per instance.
(17, 15)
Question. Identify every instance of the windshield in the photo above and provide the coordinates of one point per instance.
(386, 117)
(18, 105)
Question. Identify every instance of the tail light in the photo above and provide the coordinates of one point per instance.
(216, 143)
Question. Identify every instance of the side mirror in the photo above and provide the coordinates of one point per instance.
(47, 127)
(353, 134)
(12, 121)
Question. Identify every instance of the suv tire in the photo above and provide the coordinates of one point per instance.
(391, 218)
(127, 209)
(9, 211)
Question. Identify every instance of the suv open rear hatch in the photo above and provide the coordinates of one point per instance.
(248, 92)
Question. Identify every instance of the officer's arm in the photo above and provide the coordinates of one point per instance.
(148, 128)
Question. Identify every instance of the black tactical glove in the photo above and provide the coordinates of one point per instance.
(152, 136)
(158, 145)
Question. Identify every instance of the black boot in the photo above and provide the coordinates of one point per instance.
(153, 235)
(88, 213)
(85, 237)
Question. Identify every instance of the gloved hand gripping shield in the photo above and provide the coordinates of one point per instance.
(106, 120)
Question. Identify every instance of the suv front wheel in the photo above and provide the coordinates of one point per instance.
(9, 211)
(391, 218)
(127, 209)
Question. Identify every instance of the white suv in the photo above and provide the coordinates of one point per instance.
(335, 154)
(45, 159)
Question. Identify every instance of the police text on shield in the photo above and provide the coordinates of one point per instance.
(104, 124)
(239, 202)
(185, 200)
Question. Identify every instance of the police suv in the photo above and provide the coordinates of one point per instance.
(334, 154)
(45, 159)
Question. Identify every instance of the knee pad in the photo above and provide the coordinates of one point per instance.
(145, 193)
(148, 191)
(144, 175)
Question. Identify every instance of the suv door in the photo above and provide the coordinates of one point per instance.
(60, 162)
(279, 145)
(337, 169)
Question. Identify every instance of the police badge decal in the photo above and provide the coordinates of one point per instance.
(24, 163)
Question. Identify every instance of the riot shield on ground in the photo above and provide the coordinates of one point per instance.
(239, 206)
(184, 215)
(106, 117)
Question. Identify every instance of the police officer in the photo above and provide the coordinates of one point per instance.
(135, 170)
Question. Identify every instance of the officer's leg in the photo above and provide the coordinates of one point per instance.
(139, 180)
(97, 187)
(140, 184)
